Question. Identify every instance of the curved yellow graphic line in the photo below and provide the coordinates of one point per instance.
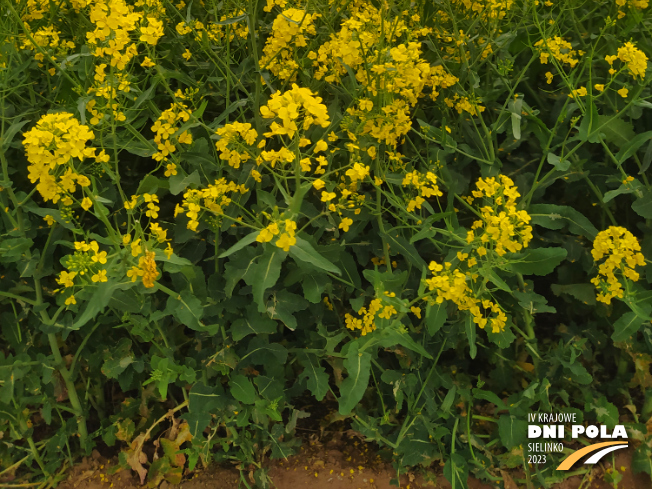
(574, 457)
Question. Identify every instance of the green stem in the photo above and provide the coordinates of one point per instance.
(457, 421)
(70, 386)
(529, 327)
(36, 455)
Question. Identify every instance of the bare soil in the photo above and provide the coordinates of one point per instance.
(344, 463)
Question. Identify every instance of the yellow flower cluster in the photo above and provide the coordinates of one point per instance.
(398, 72)
(286, 237)
(391, 123)
(559, 48)
(146, 269)
(229, 134)
(289, 106)
(215, 32)
(288, 34)
(48, 38)
(35, 9)
(350, 199)
(464, 104)
(114, 21)
(86, 261)
(164, 128)
(440, 78)
(360, 34)
(213, 198)
(152, 204)
(50, 147)
(452, 284)
(636, 4)
(105, 89)
(367, 323)
(486, 9)
(151, 32)
(425, 185)
(635, 59)
(402, 72)
(623, 253)
(503, 227)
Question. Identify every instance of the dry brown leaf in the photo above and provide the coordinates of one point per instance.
(136, 458)
(508, 481)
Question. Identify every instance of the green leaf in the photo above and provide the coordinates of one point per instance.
(386, 281)
(204, 398)
(314, 285)
(242, 389)
(390, 337)
(150, 184)
(139, 148)
(12, 250)
(98, 301)
(533, 302)
(503, 338)
(540, 261)
(264, 274)
(642, 460)
(616, 130)
(423, 234)
(582, 292)
(556, 161)
(179, 183)
(145, 96)
(579, 374)
(627, 325)
(448, 400)
(246, 241)
(624, 188)
(489, 396)
(126, 301)
(332, 340)
(232, 20)
(512, 431)
(401, 245)
(515, 108)
(9, 134)
(118, 359)
(643, 205)
(316, 375)
(269, 388)
(632, 146)
(237, 267)
(436, 317)
(456, 471)
(358, 367)
(470, 335)
(253, 323)
(606, 412)
(188, 309)
(304, 251)
(350, 268)
(283, 305)
(262, 352)
(495, 279)
(647, 159)
(173, 260)
(553, 216)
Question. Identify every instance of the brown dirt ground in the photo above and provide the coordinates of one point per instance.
(338, 464)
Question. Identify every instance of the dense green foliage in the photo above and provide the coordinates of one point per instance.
(435, 213)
